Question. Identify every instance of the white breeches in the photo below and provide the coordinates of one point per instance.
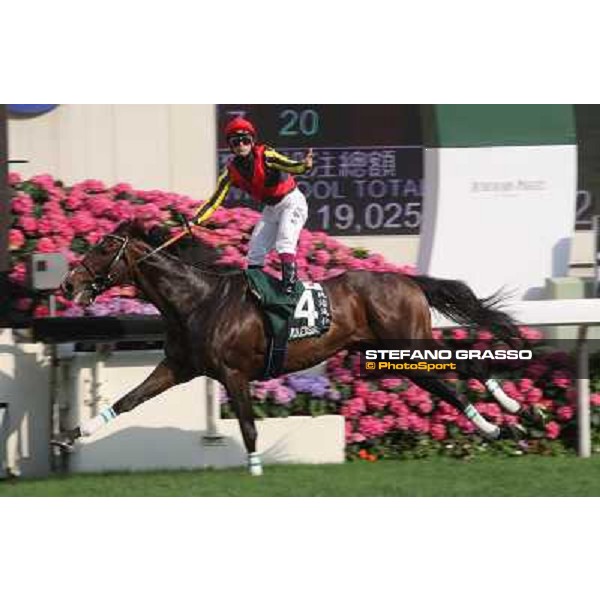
(279, 228)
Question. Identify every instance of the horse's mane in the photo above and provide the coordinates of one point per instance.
(189, 249)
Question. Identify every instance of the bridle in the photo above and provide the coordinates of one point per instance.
(102, 282)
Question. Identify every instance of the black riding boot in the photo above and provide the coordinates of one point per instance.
(289, 276)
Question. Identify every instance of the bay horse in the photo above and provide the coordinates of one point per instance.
(215, 328)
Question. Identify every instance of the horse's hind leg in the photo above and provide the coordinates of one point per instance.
(238, 388)
(529, 415)
(476, 370)
(438, 388)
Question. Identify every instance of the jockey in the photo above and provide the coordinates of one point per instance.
(268, 177)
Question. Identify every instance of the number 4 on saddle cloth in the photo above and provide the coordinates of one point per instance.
(303, 314)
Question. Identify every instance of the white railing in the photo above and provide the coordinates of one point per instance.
(580, 313)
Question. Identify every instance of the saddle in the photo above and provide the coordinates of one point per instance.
(303, 314)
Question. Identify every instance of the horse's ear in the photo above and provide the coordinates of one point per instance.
(134, 228)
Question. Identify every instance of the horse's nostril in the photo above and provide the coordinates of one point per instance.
(69, 288)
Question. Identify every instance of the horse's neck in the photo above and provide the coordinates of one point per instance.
(172, 286)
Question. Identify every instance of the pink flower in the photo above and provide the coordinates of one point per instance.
(18, 274)
(28, 224)
(15, 239)
(534, 395)
(317, 273)
(92, 185)
(509, 388)
(418, 424)
(321, 257)
(378, 400)
(14, 179)
(44, 181)
(565, 413)
(371, 427)
(552, 430)
(283, 395)
(525, 385)
(459, 334)
(438, 432)
(561, 380)
(476, 386)
(483, 335)
(391, 383)
(122, 188)
(46, 245)
(83, 222)
(44, 226)
(426, 406)
(528, 333)
(361, 388)
(22, 204)
(595, 399)
(354, 407)
(100, 205)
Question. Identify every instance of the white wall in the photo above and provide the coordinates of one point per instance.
(151, 146)
(499, 216)
(24, 384)
(167, 432)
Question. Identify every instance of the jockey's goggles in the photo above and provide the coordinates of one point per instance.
(240, 140)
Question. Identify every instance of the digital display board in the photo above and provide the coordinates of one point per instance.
(587, 118)
(368, 162)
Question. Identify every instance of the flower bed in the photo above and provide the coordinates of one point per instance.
(49, 217)
(392, 417)
(389, 417)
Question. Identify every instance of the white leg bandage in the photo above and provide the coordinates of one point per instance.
(488, 429)
(93, 425)
(255, 464)
(506, 402)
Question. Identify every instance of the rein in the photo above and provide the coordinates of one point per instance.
(103, 282)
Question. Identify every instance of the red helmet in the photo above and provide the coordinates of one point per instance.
(239, 125)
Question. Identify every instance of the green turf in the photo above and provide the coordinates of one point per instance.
(525, 476)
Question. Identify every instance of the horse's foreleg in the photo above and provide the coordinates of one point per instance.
(238, 388)
(161, 379)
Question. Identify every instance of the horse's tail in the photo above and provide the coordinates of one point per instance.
(457, 301)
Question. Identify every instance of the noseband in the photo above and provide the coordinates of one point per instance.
(102, 282)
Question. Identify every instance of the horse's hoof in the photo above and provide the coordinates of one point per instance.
(512, 432)
(256, 470)
(533, 416)
(255, 465)
(63, 443)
